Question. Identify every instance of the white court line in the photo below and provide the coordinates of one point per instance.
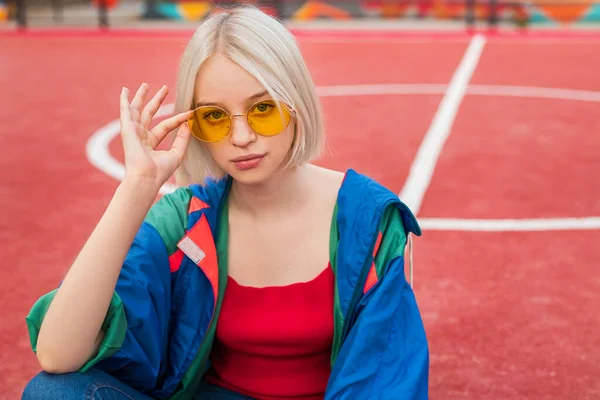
(381, 89)
(504, 225)
(98, 152)
(534, 92)
(423, 166)
(97, 149)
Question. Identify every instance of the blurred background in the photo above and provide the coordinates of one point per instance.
(126, 12)
(481, 114)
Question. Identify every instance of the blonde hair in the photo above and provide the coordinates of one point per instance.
(267, 50)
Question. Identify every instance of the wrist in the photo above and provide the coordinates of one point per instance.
(141, 190)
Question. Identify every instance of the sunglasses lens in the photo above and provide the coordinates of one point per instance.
(265, 118)
(209, 124)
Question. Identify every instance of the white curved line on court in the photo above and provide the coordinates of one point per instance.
(98, 154)
(98, 151)
(534, 92)
(477, 90)
(381, 89)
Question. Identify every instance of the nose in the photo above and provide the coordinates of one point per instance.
(241, 133)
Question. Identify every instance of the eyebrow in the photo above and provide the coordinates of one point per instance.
(209, 103)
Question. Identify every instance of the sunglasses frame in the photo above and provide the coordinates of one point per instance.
(289, 109)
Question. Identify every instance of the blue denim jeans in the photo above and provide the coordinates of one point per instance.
(98, 385)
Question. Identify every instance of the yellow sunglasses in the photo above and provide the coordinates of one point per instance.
(211, 123)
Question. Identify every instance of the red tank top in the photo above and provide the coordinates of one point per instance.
(275, 342)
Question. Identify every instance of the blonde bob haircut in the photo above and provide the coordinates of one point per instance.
(263, 47)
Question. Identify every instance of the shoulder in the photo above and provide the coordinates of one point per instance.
(391, 241)
(169, 216)
(363, 195)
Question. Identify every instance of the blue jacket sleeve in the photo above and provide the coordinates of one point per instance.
(136, 324)
(385, 355)
(144, 288)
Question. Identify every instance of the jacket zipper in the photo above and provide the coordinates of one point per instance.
(362, 278)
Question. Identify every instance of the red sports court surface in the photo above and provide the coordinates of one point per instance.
(510, 314)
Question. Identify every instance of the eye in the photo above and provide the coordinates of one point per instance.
(213, 115)
(262, 107)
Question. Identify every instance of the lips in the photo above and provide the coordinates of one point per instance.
(248, 157)
(248, 161)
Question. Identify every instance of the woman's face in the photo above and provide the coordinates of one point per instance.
(243, 154)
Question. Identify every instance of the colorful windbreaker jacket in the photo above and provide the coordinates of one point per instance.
(160, 325)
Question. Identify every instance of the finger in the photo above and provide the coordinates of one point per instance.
(161, 130)
(138, 101)
(181, 142)
(125, 119)
(153, 106)
(128, 129)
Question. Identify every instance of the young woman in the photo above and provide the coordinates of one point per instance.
(262, 276)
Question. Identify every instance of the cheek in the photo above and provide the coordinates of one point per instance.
(217, 151)
(285, 140)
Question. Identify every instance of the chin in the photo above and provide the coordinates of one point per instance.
(254, 176)
(271, 166)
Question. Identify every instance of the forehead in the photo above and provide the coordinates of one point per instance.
(220, 80)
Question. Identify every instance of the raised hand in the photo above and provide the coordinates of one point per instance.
(142, 159)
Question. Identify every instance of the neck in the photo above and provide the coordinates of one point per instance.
(281, 192)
